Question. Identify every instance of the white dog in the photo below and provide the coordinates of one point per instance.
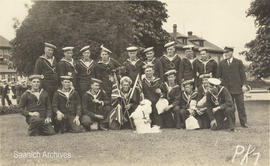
(141, 117)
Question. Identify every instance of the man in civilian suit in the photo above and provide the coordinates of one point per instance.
(233, 77)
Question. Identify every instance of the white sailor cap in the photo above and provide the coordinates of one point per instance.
(105, 49)
(170, 72)
(148, 66)
(34, 76)
(95, 80)
(214, 81)
(66, 77)
(190, 46)
(85, 48)
(67, 49)
(49, 45)
(203, 49)
(132, 48)
(169, 44)
(148, 49)
(186, 82)
(209, 75)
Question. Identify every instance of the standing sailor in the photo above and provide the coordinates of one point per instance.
(171, 60)
(204, 65)
(104, 70)
(151, 59)
(85, 68)
(46, 66)
(186, 71)
(66, 66)
(133, 65)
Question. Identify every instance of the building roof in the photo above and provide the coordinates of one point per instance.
(4, 42)
(4, 69)
(191, 40)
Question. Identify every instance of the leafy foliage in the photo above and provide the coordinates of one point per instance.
(259, 48)
(114, 24)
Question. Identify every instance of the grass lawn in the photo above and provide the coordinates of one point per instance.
(171, 147)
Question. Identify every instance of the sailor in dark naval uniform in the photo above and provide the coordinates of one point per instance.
(171, 60)
(46, 66)
(85, 68)
(153, 89)
(96, 106)
(105, 68)
(35, 105)
(151, 59)
(66, 105)
(204, 65)
(173, 90)
(66, 66)
(203, 119)
(133, 65)
(186, 71)
(187, 101)
(220, 107)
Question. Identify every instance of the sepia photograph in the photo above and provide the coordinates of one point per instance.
(134, 82)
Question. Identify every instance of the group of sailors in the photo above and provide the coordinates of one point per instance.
(102, 94)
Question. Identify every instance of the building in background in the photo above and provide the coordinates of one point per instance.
(191, 39)
(7, 70)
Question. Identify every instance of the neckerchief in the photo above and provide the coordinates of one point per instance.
(93, 95)
(88, 67)
(150, 62)
(69, 62)
(188, 98)
(48, 62)
(169, 88)
(171, 58)
(205, 63)
(36, 94)
(149, 82)
(133, 62)
(66, 95)
(214, 98)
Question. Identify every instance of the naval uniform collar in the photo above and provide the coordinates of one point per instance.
(48, 60)
(36, 94)
(84, 63)
(66, 94)
(70, 62)
(150, 62)
(133, 62)
(171, 58)
(92, 94)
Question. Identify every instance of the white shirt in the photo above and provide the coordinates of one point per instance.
(230, 60)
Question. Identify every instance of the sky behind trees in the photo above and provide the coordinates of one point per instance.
(221, 22)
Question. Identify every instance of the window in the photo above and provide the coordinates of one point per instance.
(1, 53)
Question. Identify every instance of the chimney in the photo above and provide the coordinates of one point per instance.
(189, 33)
(174, 28)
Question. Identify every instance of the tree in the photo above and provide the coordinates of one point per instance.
(259, 49)
(114, 24)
